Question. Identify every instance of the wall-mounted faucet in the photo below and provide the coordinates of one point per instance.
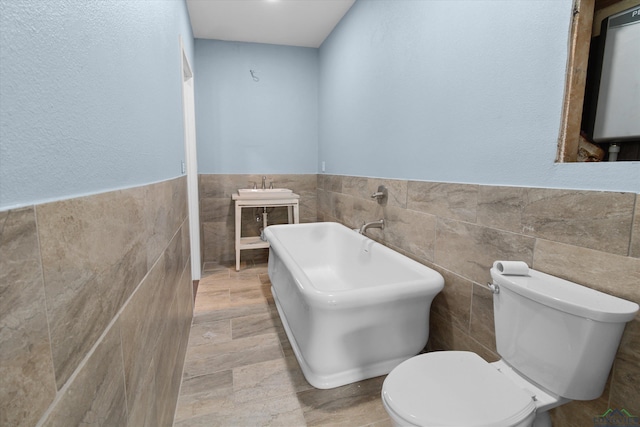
(374, 224)
(380, 195)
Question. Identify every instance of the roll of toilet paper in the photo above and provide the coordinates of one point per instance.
(512, 268)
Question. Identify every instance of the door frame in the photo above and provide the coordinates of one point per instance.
(191, 161)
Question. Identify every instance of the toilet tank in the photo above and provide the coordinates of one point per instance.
(558, 334)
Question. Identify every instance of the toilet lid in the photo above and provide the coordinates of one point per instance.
(454, 388)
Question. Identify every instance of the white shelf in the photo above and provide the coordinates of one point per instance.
(253, 243)
(289, 200)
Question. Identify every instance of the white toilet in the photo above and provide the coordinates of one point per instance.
(557, 340)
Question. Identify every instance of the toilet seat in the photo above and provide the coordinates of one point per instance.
(455, 388)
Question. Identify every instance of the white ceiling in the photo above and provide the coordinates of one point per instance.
(286, 22)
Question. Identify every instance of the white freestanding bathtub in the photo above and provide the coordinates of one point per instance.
(351, 307)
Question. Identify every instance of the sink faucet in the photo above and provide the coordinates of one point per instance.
(374, 224)
(264, 182)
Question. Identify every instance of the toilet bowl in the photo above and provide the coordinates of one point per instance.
(557, 340)
(454, 388)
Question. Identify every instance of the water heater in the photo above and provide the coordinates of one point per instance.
(617, 116)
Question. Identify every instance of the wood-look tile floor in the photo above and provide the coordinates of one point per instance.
(240, 369)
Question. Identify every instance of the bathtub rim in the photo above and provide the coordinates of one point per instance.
(432, 284)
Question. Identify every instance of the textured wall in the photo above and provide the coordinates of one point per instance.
(246, 126)
(590, 237)
(94, 319)
(91, 96)
(467, 91)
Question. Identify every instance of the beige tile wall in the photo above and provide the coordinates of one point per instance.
(217, 214)
(590, 237)
(95, 306)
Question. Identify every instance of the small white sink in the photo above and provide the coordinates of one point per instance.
(267, 193)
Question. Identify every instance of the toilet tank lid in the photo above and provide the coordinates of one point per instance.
(567, 296)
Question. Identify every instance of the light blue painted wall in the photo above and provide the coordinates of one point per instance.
(244, 126)
(90, 96)
(453, 91)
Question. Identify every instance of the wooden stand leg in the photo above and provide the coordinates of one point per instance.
(238, 224)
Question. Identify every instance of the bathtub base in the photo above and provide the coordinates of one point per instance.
(339, 378)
